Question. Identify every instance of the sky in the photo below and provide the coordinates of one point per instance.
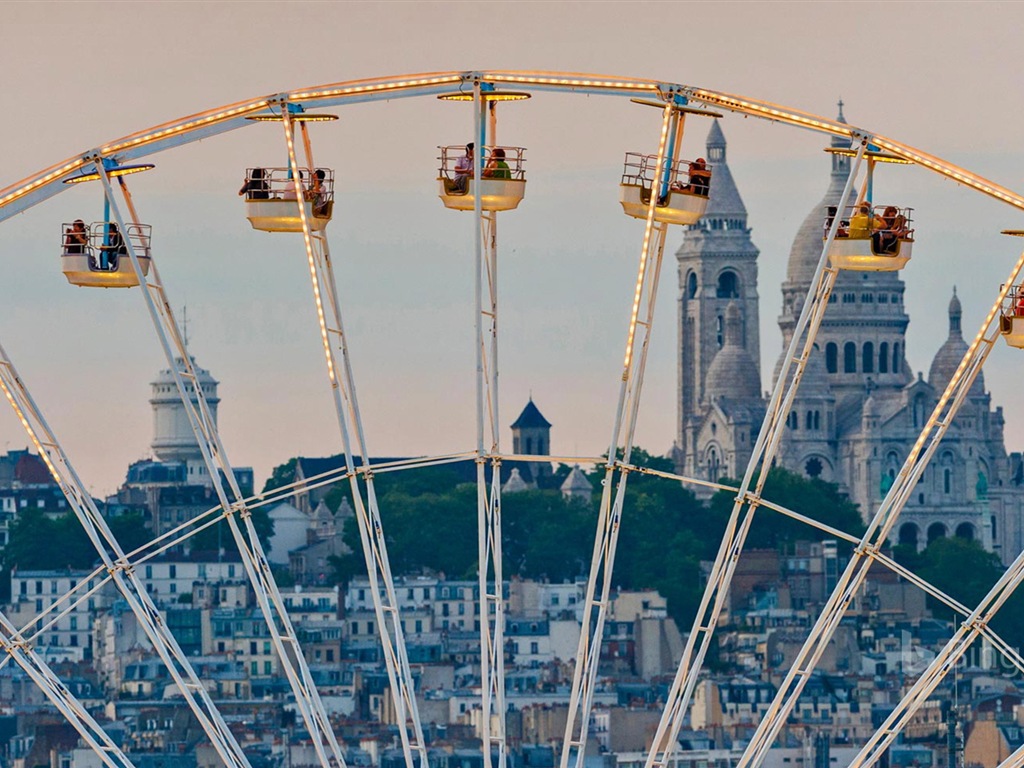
(934, 75)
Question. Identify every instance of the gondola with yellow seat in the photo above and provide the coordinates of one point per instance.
(870, 237)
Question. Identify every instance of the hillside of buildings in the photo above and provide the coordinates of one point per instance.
(549, 517)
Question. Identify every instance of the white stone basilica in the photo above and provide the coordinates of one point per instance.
(859, 408)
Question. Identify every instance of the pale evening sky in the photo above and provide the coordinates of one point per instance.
(944, 77)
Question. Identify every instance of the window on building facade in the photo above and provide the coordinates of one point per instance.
(728, 285)
(868, 357)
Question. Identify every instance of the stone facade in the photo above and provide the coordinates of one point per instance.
(860, 408)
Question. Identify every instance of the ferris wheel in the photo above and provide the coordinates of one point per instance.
(659, 187)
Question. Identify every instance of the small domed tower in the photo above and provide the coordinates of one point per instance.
(952, 351)
(732, 410)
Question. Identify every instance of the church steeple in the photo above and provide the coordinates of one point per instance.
(840, 163)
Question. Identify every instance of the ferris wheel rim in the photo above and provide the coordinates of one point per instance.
(21, 195)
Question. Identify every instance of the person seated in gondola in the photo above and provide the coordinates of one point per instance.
(256, 186)
(318, 193)
(289, 189)
(894, 229)
(463, 171)
(496, 167)
(1018, 306)
(700, 177)
(864, 222)
(114, 248)
(76, 238)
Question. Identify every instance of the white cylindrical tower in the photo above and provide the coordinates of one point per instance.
(173, 439)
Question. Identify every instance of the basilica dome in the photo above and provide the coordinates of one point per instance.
(806, 250)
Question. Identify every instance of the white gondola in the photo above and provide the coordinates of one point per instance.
(875, 245)
(1012, 329)
(93, 256)
(496, 194)
(685, 200)
(271, 204)
(1011, 317)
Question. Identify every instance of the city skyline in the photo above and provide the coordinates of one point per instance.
(568, 256)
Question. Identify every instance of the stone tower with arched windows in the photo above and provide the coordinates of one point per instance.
(717, 269)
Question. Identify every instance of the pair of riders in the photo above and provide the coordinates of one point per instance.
(76, 242)
(495, 168)
(885, 231)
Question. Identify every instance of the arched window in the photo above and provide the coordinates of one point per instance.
(908, 535)
(883, 357)
(720, 330)
(832, 357)
(947, 480)
(691, 285)
(817, 419)
(728, 285)
(849, 357)
(868, 358)
(936, 531)
(793, 420)
(896, 367)
(809, 420)
(919, 416)
(965, 531)
(713, 464)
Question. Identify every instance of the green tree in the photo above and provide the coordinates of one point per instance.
(219, 535)
(965, 571)
(130, 530)
(282, 475)
(811, 497)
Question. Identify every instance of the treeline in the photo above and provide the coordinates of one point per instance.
(430, 522)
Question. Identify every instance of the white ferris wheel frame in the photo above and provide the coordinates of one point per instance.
(119, 566)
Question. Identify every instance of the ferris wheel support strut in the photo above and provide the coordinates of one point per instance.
(800, 348)
(489, 554)
(977, 621)
(221, 473)
(371, 530)
(595, 609)
(117, 565)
